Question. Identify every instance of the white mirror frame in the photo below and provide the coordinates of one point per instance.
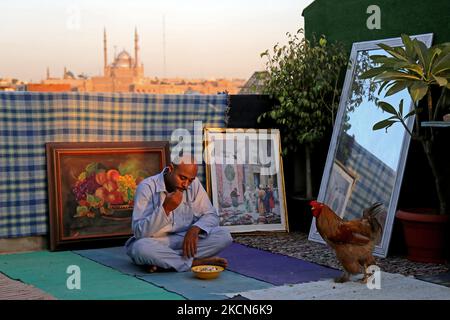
(381, 249)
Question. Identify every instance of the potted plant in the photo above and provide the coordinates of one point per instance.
(303, 77)
(425, 73)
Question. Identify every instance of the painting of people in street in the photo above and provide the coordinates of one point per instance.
(248, 194)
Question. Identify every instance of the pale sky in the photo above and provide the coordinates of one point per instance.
(203, 38)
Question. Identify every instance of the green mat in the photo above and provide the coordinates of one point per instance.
(48, 272)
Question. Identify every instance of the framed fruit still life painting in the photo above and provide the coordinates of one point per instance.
(91, 189)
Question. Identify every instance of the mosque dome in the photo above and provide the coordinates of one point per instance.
(123, 60)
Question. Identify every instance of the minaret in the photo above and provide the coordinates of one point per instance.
(48, 73)
(136, 49)
(105, 51)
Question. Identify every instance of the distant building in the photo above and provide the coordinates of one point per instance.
(39, 87)
(7, 87)
(126, 74)
(255, 84)
(9, 84)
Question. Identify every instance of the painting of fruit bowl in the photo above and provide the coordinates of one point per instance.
(92, 187)
(100, 191)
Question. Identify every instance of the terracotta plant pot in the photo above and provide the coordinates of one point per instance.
(425, 235)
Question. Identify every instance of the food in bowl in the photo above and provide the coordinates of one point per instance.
(207, 271)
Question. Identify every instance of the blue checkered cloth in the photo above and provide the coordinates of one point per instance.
(375, 180)
(28, 120)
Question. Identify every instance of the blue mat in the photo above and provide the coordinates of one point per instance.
(183, 283)
(274, 268)
(115, 258)
(262, 265)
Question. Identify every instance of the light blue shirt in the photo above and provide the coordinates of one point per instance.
(151, 220)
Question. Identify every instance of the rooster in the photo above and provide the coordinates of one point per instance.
(353, 241)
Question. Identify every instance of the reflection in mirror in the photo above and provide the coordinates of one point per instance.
(365, 166)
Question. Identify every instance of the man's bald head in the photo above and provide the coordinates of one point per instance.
(181, 172)
(184, 159)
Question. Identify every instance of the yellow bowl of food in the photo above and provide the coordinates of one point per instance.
(207, 271)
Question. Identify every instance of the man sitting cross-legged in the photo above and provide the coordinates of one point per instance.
(174, 223)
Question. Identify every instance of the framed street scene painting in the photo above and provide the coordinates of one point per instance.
(244, 172)
(341, 185)
(91, 188)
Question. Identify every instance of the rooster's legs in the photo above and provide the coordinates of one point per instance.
(343, 278)
(365, 278)
(367, 273)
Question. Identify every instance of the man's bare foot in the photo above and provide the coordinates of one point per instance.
(216, 261)
(152, 269)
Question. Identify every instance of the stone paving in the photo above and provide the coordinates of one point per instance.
(296, 244)
(16, 290)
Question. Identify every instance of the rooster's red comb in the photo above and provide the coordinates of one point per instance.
(313, 203)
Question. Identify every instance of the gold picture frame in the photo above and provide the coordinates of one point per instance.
(244, 179)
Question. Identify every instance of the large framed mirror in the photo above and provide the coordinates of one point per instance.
(365, 166)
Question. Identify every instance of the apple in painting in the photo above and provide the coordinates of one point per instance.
(112, 175)
(101, 193)
(100, 177)
(114, 197)
(83, 203)
(110, 186)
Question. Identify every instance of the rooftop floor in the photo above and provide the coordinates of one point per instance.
(294, 244)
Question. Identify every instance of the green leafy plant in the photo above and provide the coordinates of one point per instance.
(423, 72)
(304, 78)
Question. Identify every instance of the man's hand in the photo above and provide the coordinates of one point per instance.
(172, 201)
(190, 242)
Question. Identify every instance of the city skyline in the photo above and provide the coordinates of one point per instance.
(202, 39)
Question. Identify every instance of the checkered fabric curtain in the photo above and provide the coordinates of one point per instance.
(376, 180)
(28, 120)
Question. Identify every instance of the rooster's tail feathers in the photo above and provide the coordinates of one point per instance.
(374, 210)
